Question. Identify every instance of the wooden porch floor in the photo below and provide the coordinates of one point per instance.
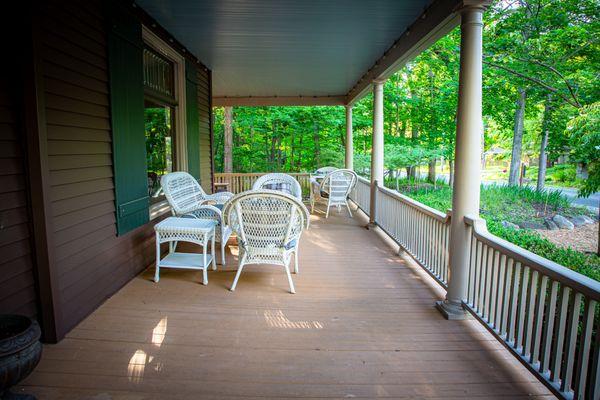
(361, 325)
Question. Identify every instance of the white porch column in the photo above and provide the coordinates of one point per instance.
(467, 159)
(349, 143)
(377, 145)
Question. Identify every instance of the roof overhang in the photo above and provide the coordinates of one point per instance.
(312, 52)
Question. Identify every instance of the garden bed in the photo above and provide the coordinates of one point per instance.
(524, 206)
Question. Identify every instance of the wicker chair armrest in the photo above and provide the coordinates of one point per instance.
(206, 211)
(218, 198)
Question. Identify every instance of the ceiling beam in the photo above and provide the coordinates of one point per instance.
(435, 22)
(251, 101)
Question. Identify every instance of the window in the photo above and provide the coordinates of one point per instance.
(164, 127)
(160, 157)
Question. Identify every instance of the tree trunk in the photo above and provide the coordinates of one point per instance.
(431, 171)
(292, 152)
(299, 162)
(228, 141)
(543, 162)
(273, 147)
(515, 161)
(317, 146)
(451, 173)
(414, 136)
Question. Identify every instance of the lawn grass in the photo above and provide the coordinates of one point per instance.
(516, 204)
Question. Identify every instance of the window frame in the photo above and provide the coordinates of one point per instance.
(161, 47)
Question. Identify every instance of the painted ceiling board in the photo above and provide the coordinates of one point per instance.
(285, 47)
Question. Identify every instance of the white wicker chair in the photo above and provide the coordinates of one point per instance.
(334, 190)
(280, 182)
(325, 170)
(268, 225)
(186, 198)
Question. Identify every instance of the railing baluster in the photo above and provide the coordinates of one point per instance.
(482, 274)
(494, 288)
(472, 269)
(593, 390)
(521, 309)
(487, 295)
(557, 348)
(514, 303)
(539, 319)
(506, 296)
(548, 331)
(584, 348)
(499, 292)
(571, 341)
(530, 307)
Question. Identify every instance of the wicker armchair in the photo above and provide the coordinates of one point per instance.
(280, 182)
(325, 170)
(187, 198)
(334, 190)
(268, 225)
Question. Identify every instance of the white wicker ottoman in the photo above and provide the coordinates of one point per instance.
(198, 231)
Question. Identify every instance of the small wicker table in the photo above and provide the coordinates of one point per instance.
(199, 231)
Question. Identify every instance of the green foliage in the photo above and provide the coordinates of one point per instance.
(514, 204)
(584, 131)
(158, 143)
(586, 264)
(288, 139)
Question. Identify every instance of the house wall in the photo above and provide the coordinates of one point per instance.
(204, 116)
(88, 260)
(17, 283)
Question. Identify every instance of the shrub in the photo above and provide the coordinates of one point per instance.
(562, 173)
(588, 265)
(516, 204)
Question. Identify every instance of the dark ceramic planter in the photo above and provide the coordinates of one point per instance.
(20, 352)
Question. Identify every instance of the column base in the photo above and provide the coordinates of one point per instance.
(371, 225)
(451, 310)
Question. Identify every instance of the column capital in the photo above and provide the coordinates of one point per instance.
(470, 5)
(379, 81)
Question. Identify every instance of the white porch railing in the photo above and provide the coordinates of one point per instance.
(240, 182)
(545, 314)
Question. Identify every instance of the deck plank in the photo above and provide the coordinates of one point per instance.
(362, 324)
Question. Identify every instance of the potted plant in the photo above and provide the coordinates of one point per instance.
(20, 352)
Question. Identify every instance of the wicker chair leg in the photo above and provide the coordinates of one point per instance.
(289, 276)
(223, 243)
(296, 268)
(237, 275)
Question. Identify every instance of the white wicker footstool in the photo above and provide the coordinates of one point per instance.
(198, 231)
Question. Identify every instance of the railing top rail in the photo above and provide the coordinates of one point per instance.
(257, 173)
(557, 272)
(432, 212)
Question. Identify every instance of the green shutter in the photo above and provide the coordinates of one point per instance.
(192, 122)
(127, 117)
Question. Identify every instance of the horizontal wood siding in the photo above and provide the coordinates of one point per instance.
(17, 284)
(92, 261)
(204, 115)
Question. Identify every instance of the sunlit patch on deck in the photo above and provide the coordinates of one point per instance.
(277, 319)
(159, 332)
(137, 364)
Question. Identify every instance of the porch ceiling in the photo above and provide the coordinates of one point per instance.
(288, 48)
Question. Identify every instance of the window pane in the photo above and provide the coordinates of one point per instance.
(159, 146)
(159, 74)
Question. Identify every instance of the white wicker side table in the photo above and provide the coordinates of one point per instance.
(192, 230)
